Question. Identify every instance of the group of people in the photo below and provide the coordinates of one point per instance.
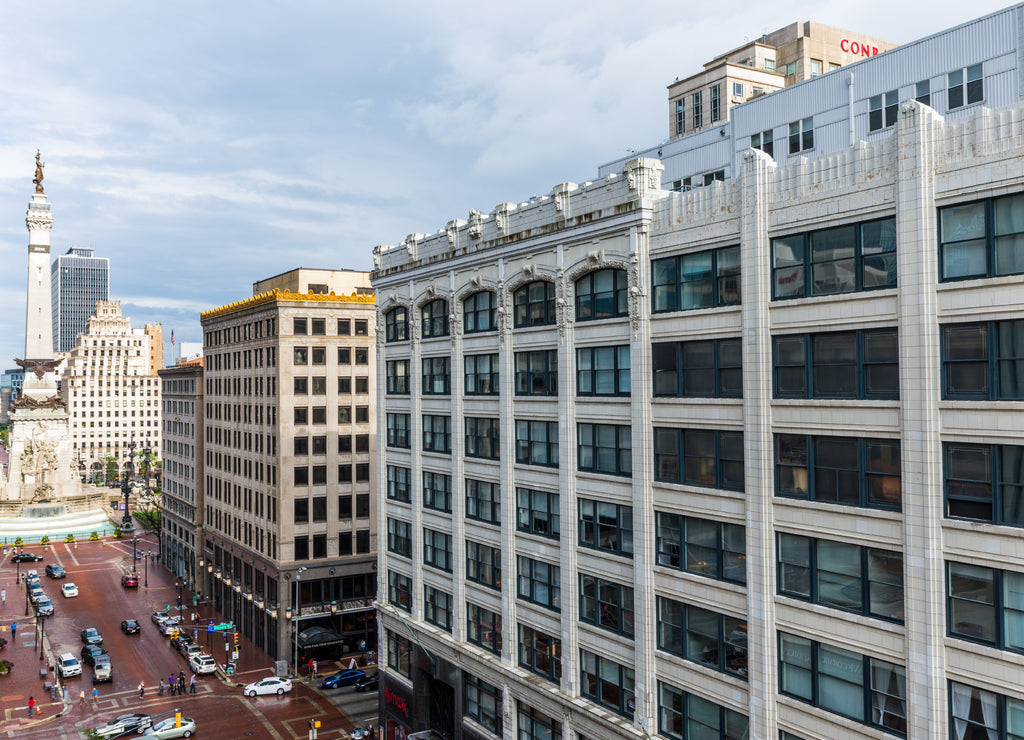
(176, 685)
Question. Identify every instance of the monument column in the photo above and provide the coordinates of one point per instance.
(38, 318)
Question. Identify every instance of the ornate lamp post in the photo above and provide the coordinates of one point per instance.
(126, 489)
(295, 616)
(149, 554)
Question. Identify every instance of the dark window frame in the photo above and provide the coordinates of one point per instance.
(593, 370)
(722, 275)
(483, 628)
(597, 530)
(436, 375)
(440, 440)
(860, 365)
(437, 549)
(399, 537)
(677, 373)
(686, 448)
(676, 620)
(528, 448)
(480, 382)
(689, 549)
(531, 585)
(396, 381)
(434, 315)
(483, 564)
(590, 299)
(536, 373)
(438, 498)
(473, 312)
(592, 444)
(396, 324)
(606, 604)
(595, 685)
(527, 514)
(538, 649)
(985, 483)
(478, 505)
(531, 310)
(399, 430)
(483, 438)
(398, 483)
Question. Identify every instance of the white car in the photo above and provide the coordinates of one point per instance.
(202, 664)
(67, 590)
(68, 665)
(272, 685)
(167, 627)
(44, 607)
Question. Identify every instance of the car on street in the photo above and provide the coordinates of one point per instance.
(67, 590)
(68, 665)
(272, 685)
(187, 651)
(32, 578)
(166, 728)
(179, 642)
(157, 616)
(55, 571)
(92, 636)
(102, 670)
(36, 592)
(167, 627)
(342, 678)
(123, 725)
(44, 607)
(26, 557)
(130, 627)
(130, 580)
(89, 653)
(202, 664)
(367, 683)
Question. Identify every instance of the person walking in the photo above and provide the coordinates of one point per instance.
(181, 682)
(95, 698)
(3, 595)
(81, 698)
(31, 705)
(142, 689)
(192, 684)
(170, 683)
(312, 669)
(14, 631)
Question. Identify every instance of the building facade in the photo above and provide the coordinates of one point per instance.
(156, 347)
(113, 398)
(77, 280)
(181, 502)
(735, 462)
(288, 477)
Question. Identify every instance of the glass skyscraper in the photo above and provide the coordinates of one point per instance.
(77, 281)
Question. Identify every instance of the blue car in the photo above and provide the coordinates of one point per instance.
(341, 678)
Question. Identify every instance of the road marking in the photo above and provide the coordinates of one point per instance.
(70, 554)
(260, 718)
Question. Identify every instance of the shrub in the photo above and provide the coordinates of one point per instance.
(117, 532)
(45, 540)
(70, 538)
(5, 667)
(19, 542)
(94, 536)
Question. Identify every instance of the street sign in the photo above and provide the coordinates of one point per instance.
(209, 628)
(234, 655)
(221, 627)
(226, 648)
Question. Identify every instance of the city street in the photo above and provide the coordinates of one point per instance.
(219, 708)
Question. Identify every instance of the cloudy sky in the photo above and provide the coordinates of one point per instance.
(204, 145)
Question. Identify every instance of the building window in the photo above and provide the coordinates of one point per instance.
(302, 548)
(436, 376)
(602, 371)
(300, 445)
(680, 117)
(362, 356)
(702, 547)
(977, 714)
(983, 362)
(435, 318)
(361, 327)
(534, 304)
(362, 472)
(716, 103)
(539, 583)
(300, 356)
(344, 355)
(606, 682)
(839, 470)
(965, 86)
(319, 386)
(982, 239)
(840, 575)
(319, 355)
(483, 501)
(483, 438)
(344, 327)
(481, 375)
(299, 326)
(399, 654)
(301, 475)
(801, 135)
(815, 67)
(483, 702)
(397, 377)
(882, 111)
(923, 92)
(986, 605)
(844, 259)
(602, 295)
(790, 69)
(399, 537)
(398, 483)
(300, 386)
(398, 430)
(437, 434)
(605, 448)
(540, 654)
(318, 327)
(606, 604)
(301, 510)
(437, 549)
(437, 491)
(480, 312)
(698, 110)
(765, 141)
(437, 608)
(699, 457)
(712, 639)
(537, 513)
(362, 415)
(685, 716)
(984, 482)
(864, 689)
(706, 279)
(537, 373)
(319, 475)
(537, 442)
(301, 416)
(483, 564)
(711, 368)
(737, 87)
(483, 628)
(856, 364)
(607, 527)
(396, 324)
(769, 65)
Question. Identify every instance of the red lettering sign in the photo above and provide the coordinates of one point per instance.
(392, 698)
(861, 50)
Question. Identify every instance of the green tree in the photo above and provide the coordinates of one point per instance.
(112, 468)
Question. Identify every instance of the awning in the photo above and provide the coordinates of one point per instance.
(316, 636)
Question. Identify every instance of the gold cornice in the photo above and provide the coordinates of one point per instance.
(285, 295)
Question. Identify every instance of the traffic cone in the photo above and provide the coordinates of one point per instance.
(39, 710)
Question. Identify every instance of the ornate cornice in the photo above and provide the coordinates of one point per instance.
(285, 295)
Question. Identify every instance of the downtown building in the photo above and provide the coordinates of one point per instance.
(288, 476)
(111, 394)
(742, 461)
(77, 280)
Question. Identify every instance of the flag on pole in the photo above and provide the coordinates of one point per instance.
(172, 337)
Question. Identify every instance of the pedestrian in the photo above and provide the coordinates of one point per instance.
(142, 689)
(31, 705)
(3, 595)
(81, 698)
(192, 684)
(160, 688)
(181, 682)
(369, 732)
(95, 697)
(362, 647)
(14, 631)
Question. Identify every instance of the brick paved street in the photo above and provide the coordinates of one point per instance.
(219, 708)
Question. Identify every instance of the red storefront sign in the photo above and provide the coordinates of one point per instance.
(862, 50)
(396, 701)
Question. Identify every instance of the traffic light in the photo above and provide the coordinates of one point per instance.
(314, 724)
(236, 639)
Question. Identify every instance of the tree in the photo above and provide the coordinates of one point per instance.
(112, 468)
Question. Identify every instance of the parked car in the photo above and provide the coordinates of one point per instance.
(26, 557)
(182, 639)
(189, 650)
(157, 616)
(89, 653)
(367, 683)
(55, 571)
(102, 670)
(202, 663)
(167, 627)
(92, 636)
(130, 627)
(130, 580)
(272, 685)
(342, 678)
(44, 607)
(166, 728)
(123, 725)
(67, 590)
(35, 592)
(68, 665)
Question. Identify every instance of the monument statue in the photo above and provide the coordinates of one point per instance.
(38, 180)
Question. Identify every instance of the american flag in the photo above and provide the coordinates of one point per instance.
(172, 337)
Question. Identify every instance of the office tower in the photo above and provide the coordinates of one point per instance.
(77, 281)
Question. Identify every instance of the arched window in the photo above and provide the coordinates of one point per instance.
(435, 318)
(602, 295)
(534, 304)
(480, 312)
(396, 325)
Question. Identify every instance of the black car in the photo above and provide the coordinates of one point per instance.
(89, 653)
(55, 571)
(180, 641)
(26, 557)
(367, 683)
(126, 723)
(92, 636)
(130, 627)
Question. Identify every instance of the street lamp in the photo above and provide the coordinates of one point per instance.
(126, 489)
(42, 632)
(179, 594)
(135, 542)
(149, 554)
(21, 551)
(295, 617)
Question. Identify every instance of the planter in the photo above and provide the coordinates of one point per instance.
(5, 667)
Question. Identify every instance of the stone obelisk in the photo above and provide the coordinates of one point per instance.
(41, 470)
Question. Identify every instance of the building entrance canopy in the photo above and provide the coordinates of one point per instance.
(317, 636)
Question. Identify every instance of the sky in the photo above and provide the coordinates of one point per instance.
(202, 146)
